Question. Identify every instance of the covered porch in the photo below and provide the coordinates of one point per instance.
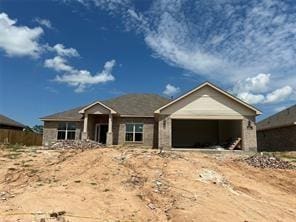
(98, 123)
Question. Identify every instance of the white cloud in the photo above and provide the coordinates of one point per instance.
(79, 78)
(256, 84)
(257, 89)
(251, 98)
(44, 22)
(219, 40)
(280, 108)
(171, 90)
(19, 40)
(279, 95)
(59, 64)
(62, 51)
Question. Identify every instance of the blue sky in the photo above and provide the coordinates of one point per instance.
(55, 55)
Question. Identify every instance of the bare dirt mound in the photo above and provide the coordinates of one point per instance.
(141, 185)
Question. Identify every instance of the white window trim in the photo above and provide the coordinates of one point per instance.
(66, 132)
(134, 132)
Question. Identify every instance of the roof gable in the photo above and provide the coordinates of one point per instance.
(216, 102)
(97, 108)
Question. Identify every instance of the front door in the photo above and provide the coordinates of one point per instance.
(102, 130)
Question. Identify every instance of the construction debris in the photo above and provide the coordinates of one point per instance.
(151, 206)
(76, 144)
(212, 176)
(264, 161)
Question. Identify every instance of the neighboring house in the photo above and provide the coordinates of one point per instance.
(7, 123)
(278, 132)
(203, 117)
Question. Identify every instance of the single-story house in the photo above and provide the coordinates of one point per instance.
(278, 132)
(8, 123)
(203, 117)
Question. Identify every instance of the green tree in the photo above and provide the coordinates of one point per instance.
(38, 129)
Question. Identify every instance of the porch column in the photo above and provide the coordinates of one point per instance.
(85, 122)
(110, 133)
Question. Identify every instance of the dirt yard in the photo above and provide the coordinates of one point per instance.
(120, 184)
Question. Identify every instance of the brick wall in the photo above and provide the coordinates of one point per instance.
(278, 139)
(50, 131)
(165, 132)
(248, 133)
(249, 138)
(149, 130)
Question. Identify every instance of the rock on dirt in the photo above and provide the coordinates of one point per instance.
(76, 144)
(207, 175)
(264, 161)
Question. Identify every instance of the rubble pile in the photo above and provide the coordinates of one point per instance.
(76, 144)
(263, 161)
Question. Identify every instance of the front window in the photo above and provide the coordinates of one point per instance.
(66, 131)
(134, 132)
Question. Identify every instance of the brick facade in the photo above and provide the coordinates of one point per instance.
(165, 132)
(50, 131)
(150, 132)
(157, 132)
(249, 139)
(277, 139)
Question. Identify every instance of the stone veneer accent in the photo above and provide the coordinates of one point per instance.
(277, 139)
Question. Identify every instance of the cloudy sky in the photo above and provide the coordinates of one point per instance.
(56, 55)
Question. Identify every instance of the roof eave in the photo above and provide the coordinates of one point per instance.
(69, 120)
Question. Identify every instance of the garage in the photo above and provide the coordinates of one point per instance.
(192, 133)
(207, 117)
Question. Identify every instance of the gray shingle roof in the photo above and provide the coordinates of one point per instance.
(71, 115)
(6, 121)
(283, 118)
(129, 104)
(136, 104)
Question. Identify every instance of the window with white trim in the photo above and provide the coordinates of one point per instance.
(66, 131)
(134, 132)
